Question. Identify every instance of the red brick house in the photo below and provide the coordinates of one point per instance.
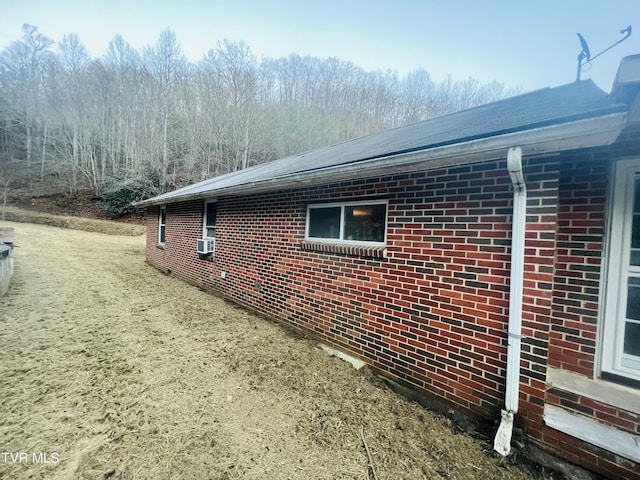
(489, 259)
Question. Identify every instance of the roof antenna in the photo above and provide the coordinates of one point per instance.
(586, 53)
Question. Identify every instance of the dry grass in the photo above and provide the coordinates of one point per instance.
(21, 215)
(125, 373)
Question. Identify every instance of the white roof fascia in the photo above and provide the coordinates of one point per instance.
(592, 132)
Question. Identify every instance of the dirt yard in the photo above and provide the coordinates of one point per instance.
(110, 369)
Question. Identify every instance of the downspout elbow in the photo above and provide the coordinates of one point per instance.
(514, 166)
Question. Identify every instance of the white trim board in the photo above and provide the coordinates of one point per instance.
(608, 438)
(621, 273)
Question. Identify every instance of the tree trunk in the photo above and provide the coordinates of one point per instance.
(44, 152)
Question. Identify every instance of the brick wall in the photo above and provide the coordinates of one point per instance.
(184, 226)
(582, 209)
(432, 313)
(581, 225)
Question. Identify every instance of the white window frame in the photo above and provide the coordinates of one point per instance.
(612, 359)
(204, 219)
(342, 206)
(162, 225)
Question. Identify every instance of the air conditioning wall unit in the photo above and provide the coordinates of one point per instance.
(206, 245)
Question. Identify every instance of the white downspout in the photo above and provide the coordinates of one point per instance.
(502, 441)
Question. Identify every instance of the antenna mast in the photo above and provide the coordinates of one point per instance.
(585, 54)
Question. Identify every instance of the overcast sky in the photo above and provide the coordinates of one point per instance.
(528, 43)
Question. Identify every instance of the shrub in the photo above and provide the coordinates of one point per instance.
(118, 195)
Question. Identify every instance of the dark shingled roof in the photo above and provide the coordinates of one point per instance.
(545, 107)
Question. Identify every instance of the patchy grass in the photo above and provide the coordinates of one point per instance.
(125, 373)
(21, 215)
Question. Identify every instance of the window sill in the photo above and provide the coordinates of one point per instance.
(614, 394)
(160, 246)
(345, 249)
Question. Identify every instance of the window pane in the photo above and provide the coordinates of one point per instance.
(635, 231)
(632, 339)
(212, 209)
(365, 222)
(324, 222)
(162, 224)
(635, 223)
(633, 301)
(210, 219)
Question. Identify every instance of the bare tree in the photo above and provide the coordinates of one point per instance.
(24, 67)
(148, 121)
(167, 66)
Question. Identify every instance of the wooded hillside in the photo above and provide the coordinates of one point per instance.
(137, 123)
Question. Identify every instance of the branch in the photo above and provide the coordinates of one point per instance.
(366, 447)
